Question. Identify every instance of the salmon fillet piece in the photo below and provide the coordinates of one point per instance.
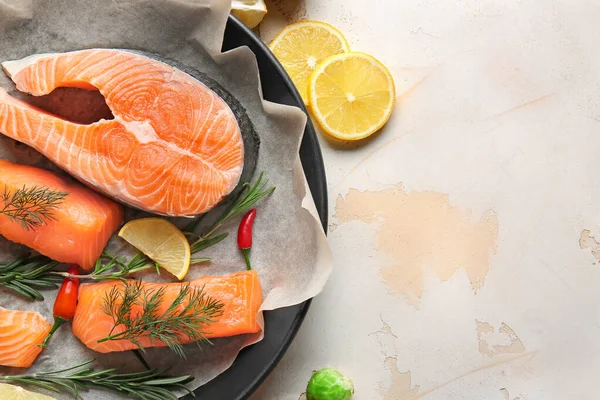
(240, 293)
(84, 221)
(174, 147)
(20, 333)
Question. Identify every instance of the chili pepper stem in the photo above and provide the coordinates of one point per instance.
(246, 253)
(58, 321)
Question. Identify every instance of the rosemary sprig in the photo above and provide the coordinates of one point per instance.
(111, 267)
(117, 268)
(31, 207)
(188, 316)
(146, 385)
(26, 275)
(249, 196)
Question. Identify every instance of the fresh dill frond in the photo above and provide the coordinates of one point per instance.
(31, 207)
(187, 316)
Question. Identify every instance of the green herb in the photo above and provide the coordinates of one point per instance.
(31, 207)
(249, 196)
(146, 385)
(117, 268)
(25, 276)
(112, 267)
(190, 313)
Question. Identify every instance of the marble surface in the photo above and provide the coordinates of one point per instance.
(466, 233)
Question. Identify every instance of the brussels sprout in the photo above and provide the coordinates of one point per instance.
(329, 384)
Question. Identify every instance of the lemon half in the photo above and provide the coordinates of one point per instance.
(302, 46)
(161, 241)
(352, 95)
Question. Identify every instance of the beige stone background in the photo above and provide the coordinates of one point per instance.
(466, 233)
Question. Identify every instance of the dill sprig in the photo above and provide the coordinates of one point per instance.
(188, 316)
(31, 207)
(146, 385)
(26, 275)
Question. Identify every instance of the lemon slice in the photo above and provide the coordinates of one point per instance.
(300, 47)
(250, 12)
(161, 241)
(352, 95)
(12, 392)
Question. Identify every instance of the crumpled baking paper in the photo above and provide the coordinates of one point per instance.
(290, 250)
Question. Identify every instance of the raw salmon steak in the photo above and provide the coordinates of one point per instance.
(240, 293)
(20, 333)
(83, 222)
(174, 147)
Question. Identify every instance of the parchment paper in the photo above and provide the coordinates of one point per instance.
(290, 251)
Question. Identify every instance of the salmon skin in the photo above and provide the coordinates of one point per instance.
(178, 144)
(20, 334)
(83, 222)
(240, 293)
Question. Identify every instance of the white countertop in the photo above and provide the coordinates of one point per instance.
(465, 232)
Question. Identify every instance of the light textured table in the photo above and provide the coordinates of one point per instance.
(466, 232)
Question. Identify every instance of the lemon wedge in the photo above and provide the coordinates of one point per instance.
(302, 46)
(250, 12)
(352, 95)
(161, 241)
(12, 392)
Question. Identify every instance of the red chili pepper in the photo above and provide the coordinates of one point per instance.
(245, 235)
(65, 303)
